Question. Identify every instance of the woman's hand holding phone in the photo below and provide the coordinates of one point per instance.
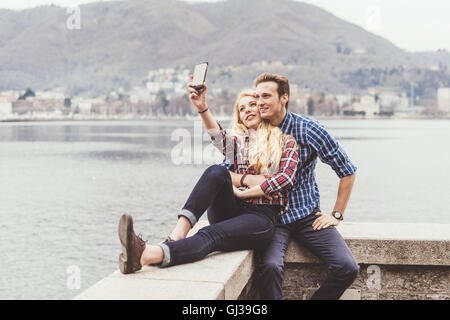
(197, 97)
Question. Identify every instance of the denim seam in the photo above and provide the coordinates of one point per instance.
(190, 216)
(166, 258)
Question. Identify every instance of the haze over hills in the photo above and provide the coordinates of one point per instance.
(119, 42)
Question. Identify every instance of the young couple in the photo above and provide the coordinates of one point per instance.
(263, 194)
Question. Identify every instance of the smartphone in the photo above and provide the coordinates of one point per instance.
(199, 75)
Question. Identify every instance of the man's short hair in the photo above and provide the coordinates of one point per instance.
(281, 81)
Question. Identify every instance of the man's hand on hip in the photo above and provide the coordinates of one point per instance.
(324, 221)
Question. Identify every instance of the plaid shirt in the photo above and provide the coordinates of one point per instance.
(235, 149)
(314, 142)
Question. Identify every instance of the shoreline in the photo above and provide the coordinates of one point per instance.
(222, 118)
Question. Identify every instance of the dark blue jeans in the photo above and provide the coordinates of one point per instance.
(240, 227)
(327, 244)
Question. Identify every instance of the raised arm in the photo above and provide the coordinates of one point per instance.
(223, 141)
(198, 99)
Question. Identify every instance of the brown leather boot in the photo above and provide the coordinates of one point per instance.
(132, 246)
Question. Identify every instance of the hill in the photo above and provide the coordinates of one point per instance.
(120, 41)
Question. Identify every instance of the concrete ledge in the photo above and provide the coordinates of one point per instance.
(218, 276)
(397, 261)
(415, 248)
(388, 243)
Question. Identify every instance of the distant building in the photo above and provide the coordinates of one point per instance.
(5, 108)
(22, 107)
(48, 105)
(102, 108)
(443, 95)
(49, 95)
(84, 107)
(167, 85)
(153, 87)
(9, 96)
(343, 99)
(40, 106)
(368, 105)
(138, 94)
(299, 103)
(389, 100)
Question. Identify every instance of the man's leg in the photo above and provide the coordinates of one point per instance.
(270, 268)
(330, 247)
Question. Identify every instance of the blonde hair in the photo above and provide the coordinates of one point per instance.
(265, 150)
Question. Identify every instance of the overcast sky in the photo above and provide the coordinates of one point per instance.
(414, 25)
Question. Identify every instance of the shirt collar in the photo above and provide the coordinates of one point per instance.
(286, 124)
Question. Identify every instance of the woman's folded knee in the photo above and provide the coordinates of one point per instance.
(216, 171)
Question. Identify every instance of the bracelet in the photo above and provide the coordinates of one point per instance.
(204, 110)
(242, 180)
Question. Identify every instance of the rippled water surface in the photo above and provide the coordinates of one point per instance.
(64, 185)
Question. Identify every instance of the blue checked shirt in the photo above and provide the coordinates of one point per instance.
(314, 142)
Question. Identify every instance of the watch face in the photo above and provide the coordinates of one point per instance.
(337, 215)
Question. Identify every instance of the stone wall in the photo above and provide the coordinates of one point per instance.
(396, 282)
(397, 261)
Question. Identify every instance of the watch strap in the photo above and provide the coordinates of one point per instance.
(341, 216)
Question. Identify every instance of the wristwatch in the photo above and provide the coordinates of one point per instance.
(338, 215)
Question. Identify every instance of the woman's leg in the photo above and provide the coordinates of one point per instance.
(246, 231)
(214, 187)
(181, 228)
(152, 255)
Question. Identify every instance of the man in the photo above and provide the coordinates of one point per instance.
(304, 221)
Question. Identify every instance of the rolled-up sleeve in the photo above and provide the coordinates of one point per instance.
(225, 143)
(284, 179)
(329, 150)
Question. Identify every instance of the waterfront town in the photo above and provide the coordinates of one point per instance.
(164, 95)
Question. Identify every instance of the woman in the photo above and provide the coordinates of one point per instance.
(249, 213)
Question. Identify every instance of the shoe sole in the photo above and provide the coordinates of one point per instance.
(125, 234)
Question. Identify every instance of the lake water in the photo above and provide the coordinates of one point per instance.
(64, 185)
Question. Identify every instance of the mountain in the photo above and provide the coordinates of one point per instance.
(120, 41)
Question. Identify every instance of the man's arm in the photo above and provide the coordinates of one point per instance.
(344, 191)
(329, 150)
(331, 153)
